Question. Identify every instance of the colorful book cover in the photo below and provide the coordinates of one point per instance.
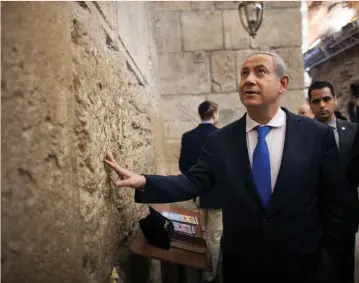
(180, 217)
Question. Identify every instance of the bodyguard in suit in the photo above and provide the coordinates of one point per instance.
(282, 209)
(210, 203)
(353, 165)
(323, 101)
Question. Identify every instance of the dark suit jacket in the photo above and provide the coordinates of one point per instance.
(346, 131)
(191, 145)
(353, 165)
(306, 212)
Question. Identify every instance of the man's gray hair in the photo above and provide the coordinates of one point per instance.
(279, 65)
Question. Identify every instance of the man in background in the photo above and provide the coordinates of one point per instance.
(192, 143)
(323, 102)
(305, 111)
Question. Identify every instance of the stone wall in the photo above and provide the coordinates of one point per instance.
(341, 70)
(69, 93)
(201, 47)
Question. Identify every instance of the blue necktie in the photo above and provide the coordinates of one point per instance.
(261, 165)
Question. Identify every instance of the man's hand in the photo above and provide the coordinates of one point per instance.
(127, 178)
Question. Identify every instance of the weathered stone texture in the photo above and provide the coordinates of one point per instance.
(168, 32)
(282, 4)
(226, 5)
(202, 30)
(235, 36)
(280, 28)
(202, 5)
(181, 74)
(172, 6)
(293, 58)
(66, 99)
(42, 237)
(292, 99)
(223, 68)
(341, 70)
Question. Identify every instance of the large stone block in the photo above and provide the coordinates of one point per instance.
(235, 36)
(183, 73)
(280, 28)
(175, 130)
(230, 107)
(226, 5)
(293, 58)
(281, 4)
(202, 30)
(173, 149)
(172, 5)
(181, 108)
(223, 68)
(168, 32)
(292, 99)
(202, 5)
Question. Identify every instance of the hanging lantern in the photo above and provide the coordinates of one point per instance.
(251, 15)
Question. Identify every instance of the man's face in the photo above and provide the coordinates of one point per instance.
(323, 104)
(259, 84)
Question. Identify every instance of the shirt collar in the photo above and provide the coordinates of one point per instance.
(277, 121)
(206, 122)
(333, 123)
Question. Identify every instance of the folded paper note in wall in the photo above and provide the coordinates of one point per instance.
(157, 229)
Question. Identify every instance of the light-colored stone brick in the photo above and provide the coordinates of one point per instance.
(235, 36)
(168, 32)
(281, 4)
(172, 5)
(292, 99)
(230, 107)
(181, 74)
(202, 5)
(226, 5)
(202, 30)
(294, 60)
(270, 35)
(181, 108)
(223, 68)
(175, 130)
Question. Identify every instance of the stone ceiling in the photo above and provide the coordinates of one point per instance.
(326, 17)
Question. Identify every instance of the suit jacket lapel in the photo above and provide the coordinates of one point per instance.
(240, 161)
(291, 155)
(344, 139)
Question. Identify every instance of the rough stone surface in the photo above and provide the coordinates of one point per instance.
(173, 6)
(289, 35)
(292, 99)
(226, 5)
(223, 68)
(230, 107)
(202, 5)
(182, 108)
(168, 32)
(181, 74)
(294, 61)
(282, 4)
(341, 70)
(235, 36)
(67, 98)
(202, 30)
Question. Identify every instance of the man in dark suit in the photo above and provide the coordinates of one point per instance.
(278, 172)
(353, 165)
(323, 102)
(210, 203)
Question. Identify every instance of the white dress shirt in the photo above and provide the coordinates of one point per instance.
(275, 141)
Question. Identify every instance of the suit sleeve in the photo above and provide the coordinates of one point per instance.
(198, 180)
(183, 165)
(353, 165)
(334, 200)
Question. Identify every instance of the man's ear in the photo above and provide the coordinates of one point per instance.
(284, 82)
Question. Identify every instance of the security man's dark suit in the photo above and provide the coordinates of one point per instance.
(191, 146)
(306, 218)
